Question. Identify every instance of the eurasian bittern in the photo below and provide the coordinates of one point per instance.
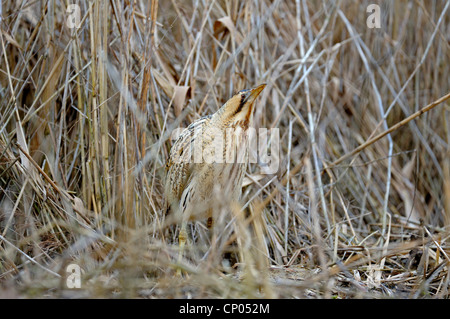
(198, 177)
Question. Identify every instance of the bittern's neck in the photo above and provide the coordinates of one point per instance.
(243, 119)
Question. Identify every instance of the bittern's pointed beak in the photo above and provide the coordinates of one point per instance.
(253, 93)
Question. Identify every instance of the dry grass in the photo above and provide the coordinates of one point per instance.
(85, 121)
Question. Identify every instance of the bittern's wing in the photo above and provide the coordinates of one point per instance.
(179, 166)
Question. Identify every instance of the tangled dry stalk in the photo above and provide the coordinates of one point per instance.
(359, 207)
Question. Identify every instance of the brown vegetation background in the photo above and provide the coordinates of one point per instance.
(86, 116)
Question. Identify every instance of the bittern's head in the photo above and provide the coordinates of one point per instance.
(238, 110)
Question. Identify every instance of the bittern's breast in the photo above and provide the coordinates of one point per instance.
(208, 166)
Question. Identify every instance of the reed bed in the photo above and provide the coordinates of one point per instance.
(359, 206)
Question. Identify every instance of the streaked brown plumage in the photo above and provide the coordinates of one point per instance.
(189, 186)
(194, 188)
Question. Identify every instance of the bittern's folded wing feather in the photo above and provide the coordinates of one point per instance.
(179, 166)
